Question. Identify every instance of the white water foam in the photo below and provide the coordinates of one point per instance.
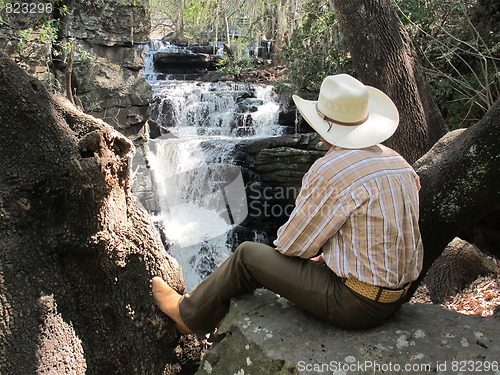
(192, 207)
(193, 109)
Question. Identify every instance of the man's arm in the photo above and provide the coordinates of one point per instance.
(319, 212)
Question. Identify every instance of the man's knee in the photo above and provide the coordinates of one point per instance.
(252, 250)
(244, 250)
(244, 246)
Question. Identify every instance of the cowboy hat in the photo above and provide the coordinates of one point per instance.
(349, 114)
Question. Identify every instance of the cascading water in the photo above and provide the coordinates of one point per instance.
(186, 222)
(201, 196)
(189, 109)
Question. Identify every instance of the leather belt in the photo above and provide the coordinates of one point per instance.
(376, 293)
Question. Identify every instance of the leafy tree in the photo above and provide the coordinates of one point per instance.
(316, 48)
(460, 53)
(455, 40)
(239, 24)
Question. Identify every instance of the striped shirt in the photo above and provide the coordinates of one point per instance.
(360, 208)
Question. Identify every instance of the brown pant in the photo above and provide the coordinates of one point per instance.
(310, 285)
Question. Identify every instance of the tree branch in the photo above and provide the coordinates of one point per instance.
(460, 184)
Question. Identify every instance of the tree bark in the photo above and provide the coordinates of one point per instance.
(77, 252)
(383, 57)
(69, 74)
(460, 184)
(226, 29)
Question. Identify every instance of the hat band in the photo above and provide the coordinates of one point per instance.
(329, 120)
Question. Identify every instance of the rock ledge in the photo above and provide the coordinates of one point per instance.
(264, 334)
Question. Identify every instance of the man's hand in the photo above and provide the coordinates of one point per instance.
(319, 258)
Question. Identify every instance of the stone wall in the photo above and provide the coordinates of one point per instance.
(109, 84)
(107, 81)
(273, 169)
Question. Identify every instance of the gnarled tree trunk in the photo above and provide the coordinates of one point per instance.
(460, 183)
(76, 251)
(383, 57)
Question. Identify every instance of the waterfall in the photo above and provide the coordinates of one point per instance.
(193, 210)
(200, 192)
(188, 109)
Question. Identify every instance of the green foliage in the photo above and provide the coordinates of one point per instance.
(460, 54)
(198, 19)
(238, 62)
(315, 49)
(459, 51)
(49, 30)
(237, 67)
(35, 35)
(62, 50)
(31, 39)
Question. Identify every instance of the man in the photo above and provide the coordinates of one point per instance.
(352, 243)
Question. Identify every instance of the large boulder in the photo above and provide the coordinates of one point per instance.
(273, 169)
(110, 86)
(265, 334)
(183, 63)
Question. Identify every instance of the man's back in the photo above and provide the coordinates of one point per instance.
(361, 208)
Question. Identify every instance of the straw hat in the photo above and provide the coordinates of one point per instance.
(349, 114)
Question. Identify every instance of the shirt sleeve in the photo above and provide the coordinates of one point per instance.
(319, 212)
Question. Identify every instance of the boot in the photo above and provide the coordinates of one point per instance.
(167, 299)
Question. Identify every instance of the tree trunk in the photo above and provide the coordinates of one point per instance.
(460, 184)
(76, 251)
(179, 21)
(69, 74)
(383, 57)
(226, 29)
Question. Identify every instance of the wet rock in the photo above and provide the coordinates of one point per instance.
(183, 63)
(144, 188)
(273, 169)
(264, 334)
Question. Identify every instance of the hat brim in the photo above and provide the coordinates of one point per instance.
(382, 122)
